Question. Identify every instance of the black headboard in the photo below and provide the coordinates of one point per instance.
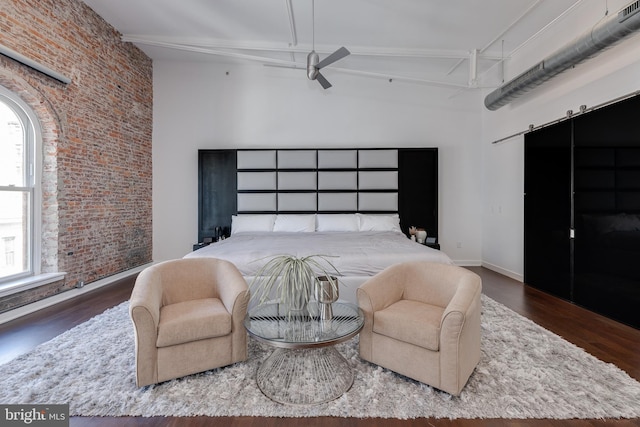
(343, 180)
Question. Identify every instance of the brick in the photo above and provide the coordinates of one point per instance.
(97, 139)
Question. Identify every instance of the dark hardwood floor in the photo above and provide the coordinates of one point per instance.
(604, 338)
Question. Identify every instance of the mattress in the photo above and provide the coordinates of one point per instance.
(356, 255)
(363, 253)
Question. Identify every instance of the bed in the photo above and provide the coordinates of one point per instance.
(353, 204)
(359, 246)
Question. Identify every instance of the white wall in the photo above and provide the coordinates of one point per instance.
(199, 105)
(613, 73)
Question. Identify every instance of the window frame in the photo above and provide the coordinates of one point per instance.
(32, 184)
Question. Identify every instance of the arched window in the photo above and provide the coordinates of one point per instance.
(19, 189)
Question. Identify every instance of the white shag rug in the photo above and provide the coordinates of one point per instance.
(525, 372)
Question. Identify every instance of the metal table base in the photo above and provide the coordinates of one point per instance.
(305, 367)
(305, 376)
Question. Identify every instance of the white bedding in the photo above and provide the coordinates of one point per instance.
(362, 253)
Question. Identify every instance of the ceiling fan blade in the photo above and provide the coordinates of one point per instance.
(324, 82)
(335, 56)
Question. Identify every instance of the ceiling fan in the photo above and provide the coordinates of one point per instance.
(313, 60)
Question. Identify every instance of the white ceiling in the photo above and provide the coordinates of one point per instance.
(431, 41)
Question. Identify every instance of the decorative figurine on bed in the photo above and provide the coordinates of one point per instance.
(294, 280)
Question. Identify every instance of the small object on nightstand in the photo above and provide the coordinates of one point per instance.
(432, 243)
(205, 242)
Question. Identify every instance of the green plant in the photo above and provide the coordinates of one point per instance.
(290, 278)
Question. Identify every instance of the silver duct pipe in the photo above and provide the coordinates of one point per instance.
(603, 35)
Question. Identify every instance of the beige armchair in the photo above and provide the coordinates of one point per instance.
(422, 320)
(187, 316)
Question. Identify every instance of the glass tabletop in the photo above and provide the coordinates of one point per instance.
(273, 324)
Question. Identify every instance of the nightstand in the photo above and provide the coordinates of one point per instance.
(199, 246)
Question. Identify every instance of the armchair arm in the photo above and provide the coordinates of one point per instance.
(375, 294)
(234, 294)
(230, 284)
(460, 335)
(382, 290)
(468, 292)
(147, 293)
(144, 310)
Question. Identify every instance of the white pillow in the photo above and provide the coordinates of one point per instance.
(380, 223)
(295, 223)
(252, 223)
(337, 222)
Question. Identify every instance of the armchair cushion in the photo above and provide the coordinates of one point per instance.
(192, 321)
(412, 322)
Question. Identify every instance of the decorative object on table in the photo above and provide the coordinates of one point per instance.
(291, 279)
(327, 292)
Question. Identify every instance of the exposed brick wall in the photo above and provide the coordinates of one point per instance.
(97, 138)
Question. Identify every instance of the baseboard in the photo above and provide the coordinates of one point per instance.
(467, 263)
(67, 295)
(504, 272)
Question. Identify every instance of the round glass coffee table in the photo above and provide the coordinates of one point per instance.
(305, 368)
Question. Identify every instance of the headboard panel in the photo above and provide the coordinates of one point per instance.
(317, 180)
(350, 180)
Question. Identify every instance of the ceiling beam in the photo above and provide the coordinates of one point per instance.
(546, 27)
(292, 24)
(208, 51)
(290, 64)
(292, 28)
(182, 43)
(387, 76)
(498, 36)
(536, 35)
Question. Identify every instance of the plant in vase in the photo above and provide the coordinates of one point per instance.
(293, 280)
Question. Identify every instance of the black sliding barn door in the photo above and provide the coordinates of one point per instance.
(584, 174)
(607, 211)
(547, 209)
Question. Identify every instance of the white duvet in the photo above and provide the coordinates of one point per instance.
(363, 253)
